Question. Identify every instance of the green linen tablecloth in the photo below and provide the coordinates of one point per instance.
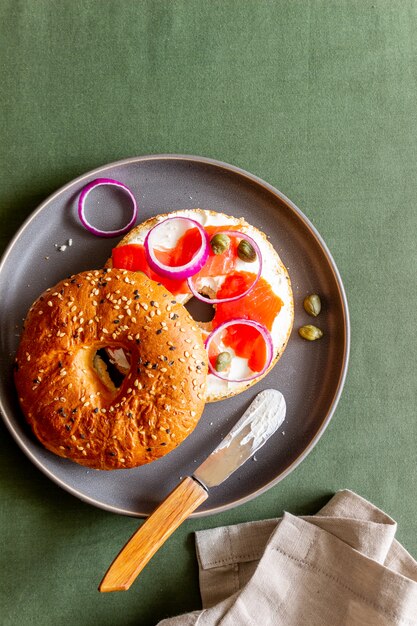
(317, 97)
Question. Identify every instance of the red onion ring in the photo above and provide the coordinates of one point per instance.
(264, 332)
(179, 272)
(231, 233)
(81, 208)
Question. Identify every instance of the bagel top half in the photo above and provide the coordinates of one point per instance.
(274, 273)
(68, 397)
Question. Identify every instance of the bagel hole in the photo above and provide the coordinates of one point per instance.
(200, 311)
(112, 365)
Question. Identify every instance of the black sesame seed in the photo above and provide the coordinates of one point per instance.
(60, 410)
(155, 366)
(104, 283)
(159, 331)
(152, 303)
(173, 302)
(73, 281)
(102, 301)
(164, 358)
(59, 364)
(138, 341)
(116, 321)
(67, 426)
(74, 410)
(136, 297)
(95, 410)
(130, 415)
(163, 443)
(174, 316)
(136, 292)
(171, 363)
(147, 363)
(36, 381)
(172, 348)
(112, 454)
(82, 436)
(167, 431)
(148, 449)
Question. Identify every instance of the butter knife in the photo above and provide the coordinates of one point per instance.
(261, 420)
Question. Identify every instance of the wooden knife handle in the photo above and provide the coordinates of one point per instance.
(141, 547)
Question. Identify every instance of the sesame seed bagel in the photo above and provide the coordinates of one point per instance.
(65, 390)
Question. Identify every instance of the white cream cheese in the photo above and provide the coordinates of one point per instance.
(272, 272)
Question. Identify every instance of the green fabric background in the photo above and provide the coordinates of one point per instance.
(319, 98)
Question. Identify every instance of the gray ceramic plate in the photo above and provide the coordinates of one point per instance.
(310, 375)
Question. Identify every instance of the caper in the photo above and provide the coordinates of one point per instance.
(312, 304)
(223, 361)
(309, 332)
(219, 243)
(246, 251)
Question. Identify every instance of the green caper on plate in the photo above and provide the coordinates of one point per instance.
(310, 332)
(312, 304)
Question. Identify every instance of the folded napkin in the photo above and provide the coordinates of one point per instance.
(342, 566)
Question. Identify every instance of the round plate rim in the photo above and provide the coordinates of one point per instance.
(341, 291)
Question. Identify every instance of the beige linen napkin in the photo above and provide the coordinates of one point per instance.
(342, 566)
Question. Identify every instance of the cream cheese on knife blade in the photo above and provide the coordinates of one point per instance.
(262, 418)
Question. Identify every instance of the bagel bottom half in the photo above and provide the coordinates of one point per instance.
(69, 399)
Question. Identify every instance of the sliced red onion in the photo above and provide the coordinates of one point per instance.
(179, 272)
(231, 233)
(81, 207)
(264, 332)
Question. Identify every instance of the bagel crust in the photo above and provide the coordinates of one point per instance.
(65, 392)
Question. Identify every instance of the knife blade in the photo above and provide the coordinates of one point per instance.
(260, 420)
